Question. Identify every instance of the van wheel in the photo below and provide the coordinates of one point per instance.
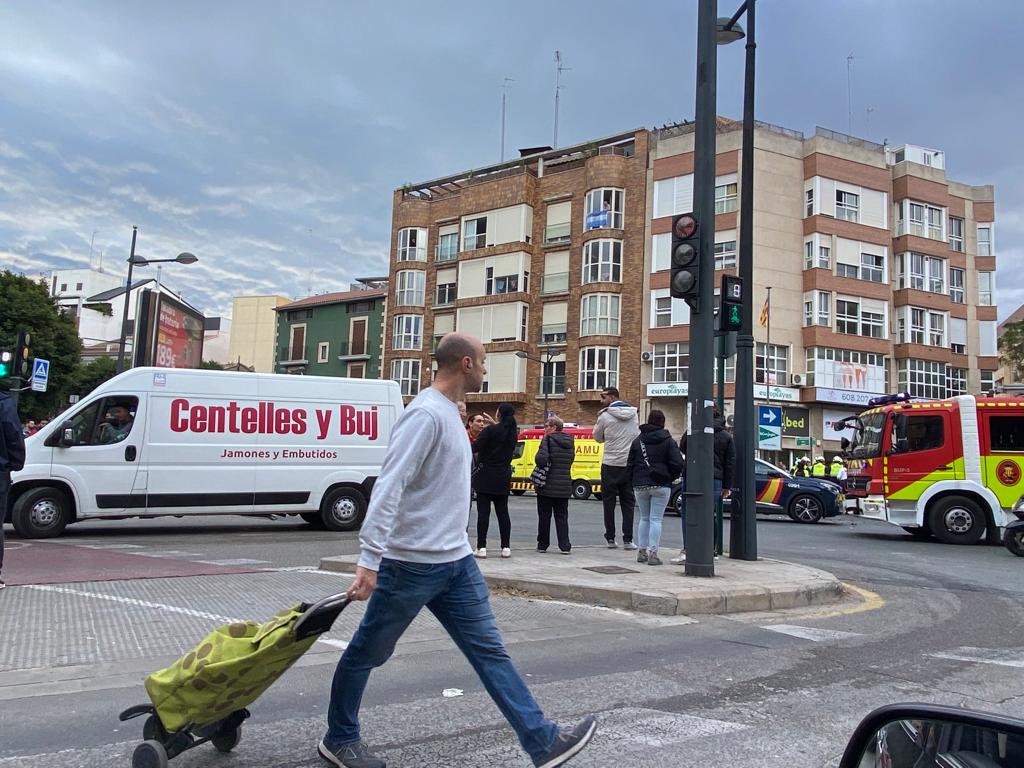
(581, 489)
(343, 509)
(956, 520)
(41, 513)
(315, 519)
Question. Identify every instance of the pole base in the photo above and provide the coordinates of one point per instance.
(692, 569)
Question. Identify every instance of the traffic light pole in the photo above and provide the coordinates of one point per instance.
(700, 545)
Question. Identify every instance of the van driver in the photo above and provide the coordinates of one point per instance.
(117, 428)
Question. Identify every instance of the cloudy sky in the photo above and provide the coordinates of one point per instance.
(267, 137)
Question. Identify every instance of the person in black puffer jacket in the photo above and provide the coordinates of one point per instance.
(654, 462)
(557, 452)
(493, 480)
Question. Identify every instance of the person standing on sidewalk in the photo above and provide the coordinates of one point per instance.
(617, 428)
(654, 462)
(492, 481)
(12, 458)
(557, 452)
(414, 553)
(725, 469)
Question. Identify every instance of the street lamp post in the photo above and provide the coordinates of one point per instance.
(133, 261)
(549, 355)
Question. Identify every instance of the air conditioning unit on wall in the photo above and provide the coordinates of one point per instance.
(646, 357)
(798, 379)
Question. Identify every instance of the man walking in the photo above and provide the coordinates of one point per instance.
(12, 458)
(415, 554)
(617, 427)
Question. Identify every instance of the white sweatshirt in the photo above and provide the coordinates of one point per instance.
(419, 507)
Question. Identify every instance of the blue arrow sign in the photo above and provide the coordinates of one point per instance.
(769, 416)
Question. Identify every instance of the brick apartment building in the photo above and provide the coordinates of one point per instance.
(542, 258)
(881, 273)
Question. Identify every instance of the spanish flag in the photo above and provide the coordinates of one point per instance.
(765, 311)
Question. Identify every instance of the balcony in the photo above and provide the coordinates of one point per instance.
(292, 357)
(552, 385)
(557, 282)
(557, 233)
(348, 350)
(554, 334)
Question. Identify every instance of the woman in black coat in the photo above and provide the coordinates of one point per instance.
(493, 479)
(557, 451)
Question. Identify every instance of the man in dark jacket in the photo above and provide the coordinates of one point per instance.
(556, 452)
(12, 458)
(725, 469)
(654, 462)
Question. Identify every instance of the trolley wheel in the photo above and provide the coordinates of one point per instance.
(225, 741)
(153, 730)
(149, 754)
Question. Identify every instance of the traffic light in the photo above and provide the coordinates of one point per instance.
(730, 316)
(23, 356)
(6, 363)
(685, 282)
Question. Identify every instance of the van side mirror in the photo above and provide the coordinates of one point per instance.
(67, 434)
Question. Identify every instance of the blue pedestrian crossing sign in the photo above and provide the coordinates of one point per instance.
(769, 428)
(40, 374)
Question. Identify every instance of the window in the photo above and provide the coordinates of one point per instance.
(730, 371)
(323, 351)
(604, 209)
(771, 363)
(846, 369)
(300, 314)
(297, 351)
(987, 381)
(105, 422)
(919, 433)
(599, 367)
(809, 203)
(558, 229)
(602, 261)
(956, 285)
(916, 217)
(956, 381)
(847, 206)
(78, 286)
(936, 329)
(1006, 433)
(599, 314)
(663, 312)
(671, 362)
(920, 272)
(725, 255)
(872, 324)
(725, 198)
(914, 332)
(847, 317)
(552, 379)
(504, 283)
(412, 245)
(936, 230)
(860, 318)
(356, 307)
(922, 378)
(446, 293)
(817, 308)
(356, 370)
(872, 267)
(63, 287)
(936, 275)
(407, 373)
(408, 332)
(817, 255)
(448, 247)
(475, 233)
(985, 289)
(410, 288)
(956, 234)
(984, 241)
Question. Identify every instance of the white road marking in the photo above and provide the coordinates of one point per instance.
(235, 561)
(168, 553)
(1004, 657)
(106, 546)
(811, 633)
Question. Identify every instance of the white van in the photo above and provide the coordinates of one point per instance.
(162, 441)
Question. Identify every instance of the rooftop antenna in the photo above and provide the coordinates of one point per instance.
(505, 88)
(91, 241)
(559, 68)
(849, 94)
(867, 129)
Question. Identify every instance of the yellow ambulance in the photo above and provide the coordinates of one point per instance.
(586, 467)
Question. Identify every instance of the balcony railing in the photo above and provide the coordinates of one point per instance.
(556, 282)
(558, 233)
(552, 385)
(348, 349)
(553, 334)
(291, 355)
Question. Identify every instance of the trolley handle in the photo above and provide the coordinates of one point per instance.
(320, 616)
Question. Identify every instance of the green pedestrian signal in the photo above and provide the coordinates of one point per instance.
(6, 363)
(730, 317)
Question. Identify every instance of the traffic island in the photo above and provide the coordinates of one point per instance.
(613, 578)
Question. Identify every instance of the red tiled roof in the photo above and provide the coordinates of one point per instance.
(339, 297)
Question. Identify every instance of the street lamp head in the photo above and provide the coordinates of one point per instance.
(522, 355)
(186, 258)
(138, 261)
(725, 36)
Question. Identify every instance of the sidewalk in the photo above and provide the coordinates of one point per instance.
(613, 578)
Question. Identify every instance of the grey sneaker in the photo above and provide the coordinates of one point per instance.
(611, 544)
(568, 743)
(628, 545)
(354, 755)
(679, 560)
(652, 557)
(641, 556)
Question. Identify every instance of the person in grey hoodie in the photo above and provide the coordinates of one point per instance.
(617, 428)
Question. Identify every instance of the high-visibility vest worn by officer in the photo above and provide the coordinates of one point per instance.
(819, 469)
(838, 469)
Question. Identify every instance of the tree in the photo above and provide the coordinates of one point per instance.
(211, 365)
(90, 376)
(26, 304)
(1011, 348)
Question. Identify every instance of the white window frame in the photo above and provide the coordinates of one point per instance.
(725, 257)
(595, 200)
(937, 329)
(956, 285)
(410, 285)
(323, 352)
(936, 222)
(451, 289)
(956, 233)
(603, 259)
(599, 368)
(817, 309)
(600, 314)
(922, 378)
(726, 197)
(447, 254)
(808, 203)
(409, 246)
(498, 285)
(407, 332)
(849, 204)
(986, 289)
(662, 311)
(406, 371)
(986, 245)
(671, 362)
(956, 381)
(477, 239)
(774, 363)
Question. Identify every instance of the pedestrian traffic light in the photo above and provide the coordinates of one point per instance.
(23, 355)
(730, 316)
(685, 281)
(6, 363)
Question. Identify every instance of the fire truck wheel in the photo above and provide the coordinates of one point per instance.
(956, 520)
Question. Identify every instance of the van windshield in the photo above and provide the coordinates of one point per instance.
(871, 429)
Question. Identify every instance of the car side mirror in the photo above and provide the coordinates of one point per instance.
(67, 434)
(908, 735)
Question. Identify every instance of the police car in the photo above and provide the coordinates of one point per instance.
(804, 499)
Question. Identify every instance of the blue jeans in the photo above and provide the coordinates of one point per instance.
(682, 505)
(651, 503)
(457, 596)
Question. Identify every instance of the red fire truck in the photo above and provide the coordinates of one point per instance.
(951, 469)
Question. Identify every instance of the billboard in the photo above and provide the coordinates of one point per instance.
(170, 333)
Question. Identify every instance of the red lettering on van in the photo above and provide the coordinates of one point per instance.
(179, 422)
(358, 421)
